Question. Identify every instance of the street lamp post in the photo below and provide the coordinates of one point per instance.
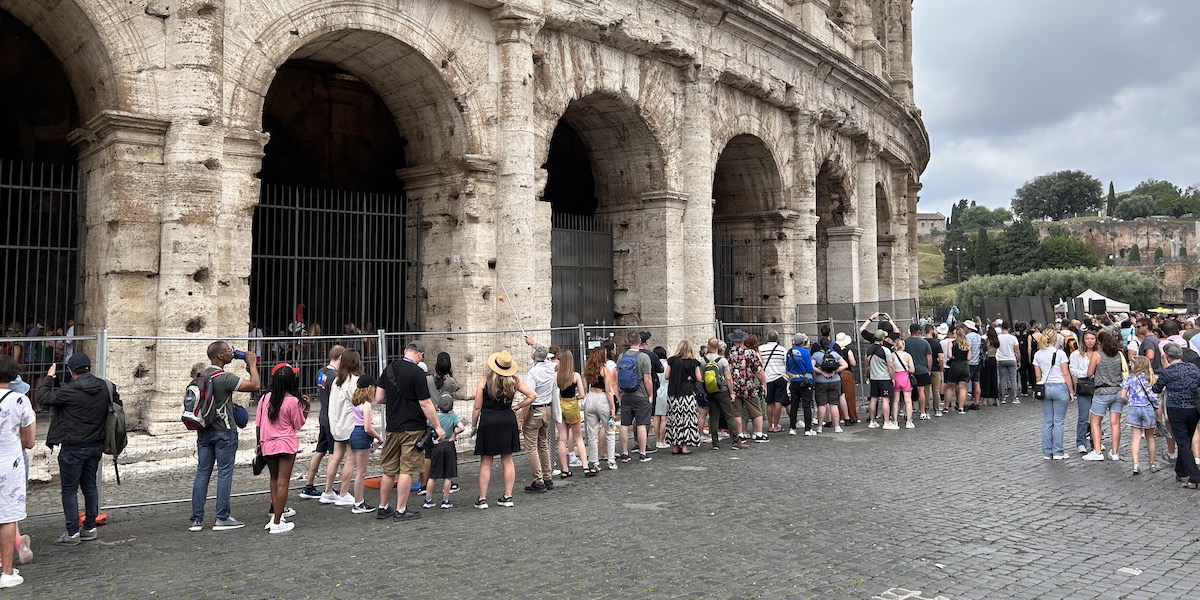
(958, 250)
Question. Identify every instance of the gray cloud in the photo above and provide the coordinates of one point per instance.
(1011, 90)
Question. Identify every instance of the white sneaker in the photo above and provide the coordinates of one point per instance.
(873, 425)
(1114, 456)
(924, 416)
(1093, 455)
(791, 432)
(1083, 449)
(329, 498)
(557, 472)
(661, 445)
(937, 414)
(281, 527)
(837, 429)
(347, 500)
(612, 465)
(7, 581)
(573, 460)
(810, 432)
(891, 426)
(910, 425)
(1016, 401)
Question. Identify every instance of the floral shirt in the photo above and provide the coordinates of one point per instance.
(744, 365)
(1180, 380)
(1139, 392)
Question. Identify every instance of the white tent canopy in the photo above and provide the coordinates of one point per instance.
(1113, 306)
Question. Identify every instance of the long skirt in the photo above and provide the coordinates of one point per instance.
(682, 421)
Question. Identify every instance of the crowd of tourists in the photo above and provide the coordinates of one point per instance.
(730, 393)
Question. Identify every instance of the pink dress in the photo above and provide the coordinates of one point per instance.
(279, 436)
(901, 380)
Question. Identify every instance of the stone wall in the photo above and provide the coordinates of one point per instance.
(171, 96)
(1117, 237)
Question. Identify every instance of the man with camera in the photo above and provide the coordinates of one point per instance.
(79, 410)
(405, 395)
(218, 443)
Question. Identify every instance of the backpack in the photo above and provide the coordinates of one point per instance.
(829, 362)
(1070, 344)
(627, 373)
(714, 378)
(116, 435)
(1190, 355)
(199, 407)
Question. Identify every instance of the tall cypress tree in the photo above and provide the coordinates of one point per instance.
(1110, 203)
(982, 254)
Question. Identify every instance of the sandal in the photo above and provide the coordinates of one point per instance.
(566, 475)
(1154, 468)
(592, 470)
(1181, 478)
(1191, 486)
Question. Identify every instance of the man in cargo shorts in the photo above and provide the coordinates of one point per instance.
(405, 395)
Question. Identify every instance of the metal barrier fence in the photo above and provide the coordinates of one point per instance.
(151, 374)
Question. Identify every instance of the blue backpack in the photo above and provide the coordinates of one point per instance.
(627, 374)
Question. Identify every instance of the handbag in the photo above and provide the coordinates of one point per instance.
(260, 462)
(1039, 388)
(1085, 386)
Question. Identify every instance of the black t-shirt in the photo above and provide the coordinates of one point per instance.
(935, 348)
(406, 386)
(683, 376)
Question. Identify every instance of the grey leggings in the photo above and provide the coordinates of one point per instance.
(595, 416)
(1008, 379)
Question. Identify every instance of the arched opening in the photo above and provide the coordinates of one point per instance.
(746, 237)
(334, 230)
(43, 208)
(833, 255)
(885, 243)
(601, 160)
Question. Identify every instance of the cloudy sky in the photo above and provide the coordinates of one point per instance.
(1014, 89)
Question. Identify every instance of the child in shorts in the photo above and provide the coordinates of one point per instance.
(1142, 413)
(443, 460)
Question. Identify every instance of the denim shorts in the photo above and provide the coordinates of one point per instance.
(1102, 403)
(359, 440)
(1141, 417)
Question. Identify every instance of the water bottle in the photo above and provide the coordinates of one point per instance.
(612, 425)
(239, 354)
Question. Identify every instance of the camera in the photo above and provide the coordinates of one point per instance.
(239, 354)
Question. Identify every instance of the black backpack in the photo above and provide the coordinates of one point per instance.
(1190, 355)
(829, 361)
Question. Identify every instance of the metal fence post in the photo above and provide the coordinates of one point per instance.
(582, 360)
(720, 330)
(382, 352)
(102, 353)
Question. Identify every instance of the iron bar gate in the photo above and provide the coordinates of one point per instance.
(41, 249)
(345, 256)
(581, 262)
(737, 274)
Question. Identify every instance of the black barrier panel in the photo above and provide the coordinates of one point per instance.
(1098, 306)
(996, 308)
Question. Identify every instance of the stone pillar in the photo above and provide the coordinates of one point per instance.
(660, 251)
(845, 273)
(868, 221)
(696, 176)
(803, 199)
(908, 262)
(522, 223)
(886, 244)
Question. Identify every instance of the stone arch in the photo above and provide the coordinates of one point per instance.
(885, 240)
(415, 73)
(837, 235)
(69, 32)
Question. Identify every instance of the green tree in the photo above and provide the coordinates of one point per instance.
(1135, 255)
(1057, 195)
(1111, 202)
(981, 251)
(977, 216)
(1158, 254)
(1168, 199)
(1066, 252)
(1183, 252)
(956, 255)
(1133, 207)
(1017, 250)
(1140, 291)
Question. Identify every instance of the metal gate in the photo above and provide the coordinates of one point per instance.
(581, 261)
(737, 275)
(43, 217)
(347, 257)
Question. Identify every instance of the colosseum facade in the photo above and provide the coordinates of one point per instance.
(405, 162)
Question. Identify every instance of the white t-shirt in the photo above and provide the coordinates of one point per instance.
(1007, 352)
(1051, 367)
(15, 412)
(1079, 363)
(774, 357)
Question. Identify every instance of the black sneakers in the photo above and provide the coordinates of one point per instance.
(536, 487)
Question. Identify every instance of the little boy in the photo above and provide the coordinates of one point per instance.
(443, 461)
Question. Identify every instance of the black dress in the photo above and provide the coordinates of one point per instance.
(498, 432)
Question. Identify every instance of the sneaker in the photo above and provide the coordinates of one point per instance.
(937, 414)
(658, 445)
(810, 432)
(453, 488)
(87, 535)
(506, 501)
(24, 551)
(962, 412)
(924, 416)
(1171, 455)
(791, 432)
(652, 450)
(227, 524)
(347, 500)
(428, 503)
(404, 516)
(549, 484)
(383, 512)
(612, 465)
(1061, 456)
(421, 491)
(481, 504)
(820, 430)
(1082, 449)
(1046, 458)
(446, 503)
(289, 512)
(1016, 401)
(624, 458)
(329, 498)
(7, 581)
(741, 446)
(1114, 456)
(1093, 455)
(910, 425)
(196, 525)
(873, 425)
(760, 438)
(575, 462)
(310, 492)
(837, 430)
(362, 508)
(891, 426)
(281, 527)
(536, 487)
(556, 473)
(1137, 469)
(1004, 401)
(645, 459)
(1154, 468)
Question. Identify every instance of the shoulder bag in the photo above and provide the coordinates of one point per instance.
(1039, 388)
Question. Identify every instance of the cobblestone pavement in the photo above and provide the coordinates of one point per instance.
(961, 507)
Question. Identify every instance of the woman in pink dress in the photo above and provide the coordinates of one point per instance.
(281, 413)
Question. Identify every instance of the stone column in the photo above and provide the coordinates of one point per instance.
(660, 283)
(845, 273)
(803, 199)
(909, 261)
(868, 221)
(522, 223)
(696, 288)
(887, 284)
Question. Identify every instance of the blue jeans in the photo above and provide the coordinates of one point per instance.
(1083, 432)
(1054, 412)
(219, 446)
(77, 466)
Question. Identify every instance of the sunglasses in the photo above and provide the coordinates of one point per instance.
(275, 369)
